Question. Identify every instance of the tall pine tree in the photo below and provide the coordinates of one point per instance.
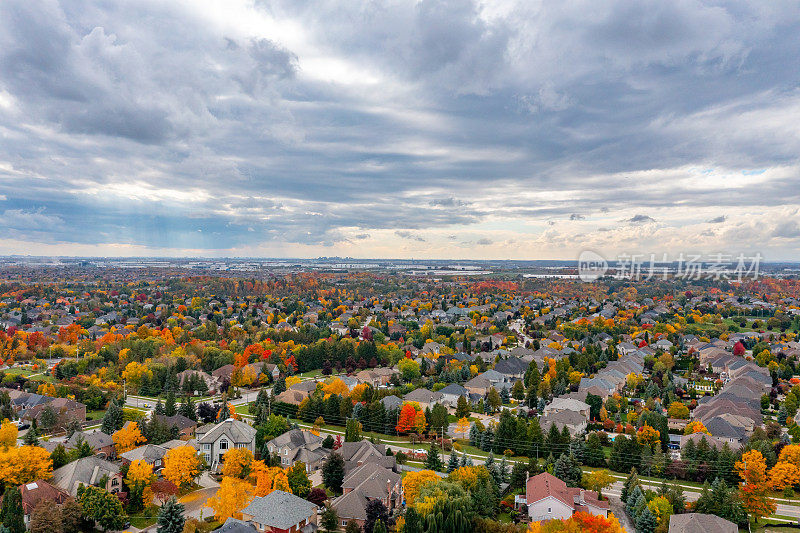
(170, 517)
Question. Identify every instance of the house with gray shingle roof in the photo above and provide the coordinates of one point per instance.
(215, 440)
(299, 445)
(87, 471)
(281, 512)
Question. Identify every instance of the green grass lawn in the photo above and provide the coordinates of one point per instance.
(243, 409)
(95, 415)
(146, 518)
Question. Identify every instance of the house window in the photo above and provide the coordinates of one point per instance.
(223, 444)
(344, 522)
(206, 446)
(549, 510)
(207, 457)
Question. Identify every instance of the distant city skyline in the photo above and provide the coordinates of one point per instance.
(459, 129)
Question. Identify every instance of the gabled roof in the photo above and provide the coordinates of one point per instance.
(693, 522)
(86, 471)
(297, 438)
(279, 509)
(236, 430)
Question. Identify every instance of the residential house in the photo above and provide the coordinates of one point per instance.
(39, 491)
(185, 426)
(214, 440)
(152, 454)
(101, 443)
(513, 368)
(356, 454)
(364, 484)
(423, 397)
(567, 404)
(451, 394)
(392, 402)
(88, 471)
(549, 498)
(299, 445)
(281, 512)
(707, 523)
(575, 422)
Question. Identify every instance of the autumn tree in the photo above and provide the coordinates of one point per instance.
(8, 434)
(678, 410)
(462, 427)
(695, 426)
(46, 518)
(232, 496)
(128, 438)
(24, 464)
(405, 422)
(181, 465)
(237, 463)
(598, 480)
(414, 481)
(753, 492)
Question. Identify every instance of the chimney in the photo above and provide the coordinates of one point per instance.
(582, 499)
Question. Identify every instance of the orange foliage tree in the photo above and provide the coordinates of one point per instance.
(753, 492)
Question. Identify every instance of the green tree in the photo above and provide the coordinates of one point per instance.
(567, 470)
(646, 522)
(170, 517)
(433, 461)
(11, 513)
(298, 479)
(333, 472)
(494, 399)
(438, 419)
(170, 408)
(413, 521)
(59, 456)
(352, 432)
(102, 507)
(113, 419)
(462, 407)
(329, 520)
(49, 418)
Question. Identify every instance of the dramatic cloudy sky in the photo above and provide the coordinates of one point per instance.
(451, 129)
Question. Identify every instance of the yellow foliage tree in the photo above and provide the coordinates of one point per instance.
(8, 434)
(462, 427)
(139, 473)
(414, 481)
(232, 496)
(134, 373)
(648, 435)
(678, 410)
(237, 463)
(181, 465)
(128, 438)
(335, 386)
(24, 464)
(292, 380)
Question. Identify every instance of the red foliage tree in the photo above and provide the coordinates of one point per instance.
(405, 423)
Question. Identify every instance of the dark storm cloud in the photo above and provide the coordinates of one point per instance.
(640, 219)
(157, 124)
